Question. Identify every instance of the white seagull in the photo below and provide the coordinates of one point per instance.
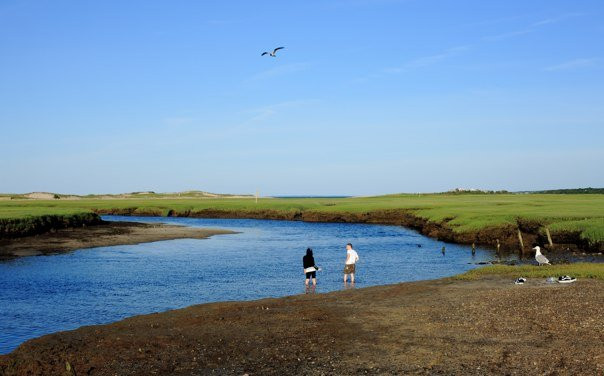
(274, 53)
(542, 260)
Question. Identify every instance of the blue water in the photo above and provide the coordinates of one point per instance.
(45, 294)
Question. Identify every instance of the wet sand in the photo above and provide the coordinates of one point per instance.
(107, 234)
(441, 327)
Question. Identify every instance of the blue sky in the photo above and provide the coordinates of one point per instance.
(368, 97)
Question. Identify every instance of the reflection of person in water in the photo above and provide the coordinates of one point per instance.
(310, 269)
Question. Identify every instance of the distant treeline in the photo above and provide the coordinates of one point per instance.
(569, 191)
(460, 191)
(573, 191)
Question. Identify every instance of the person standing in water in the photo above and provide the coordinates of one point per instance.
(310, 269)
(351, 259)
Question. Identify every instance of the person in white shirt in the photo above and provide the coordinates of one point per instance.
(351, 259)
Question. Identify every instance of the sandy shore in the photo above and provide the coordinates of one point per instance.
(110, 233)
(442, 327)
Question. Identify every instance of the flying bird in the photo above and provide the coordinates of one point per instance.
(274, 53)
(542, 260)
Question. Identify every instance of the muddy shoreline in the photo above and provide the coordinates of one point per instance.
(100, 234)
(506, 235)
(437, 327)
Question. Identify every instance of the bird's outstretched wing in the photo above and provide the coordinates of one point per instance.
(264, 53)
(277, 49)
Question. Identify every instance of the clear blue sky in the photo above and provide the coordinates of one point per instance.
(368, 97)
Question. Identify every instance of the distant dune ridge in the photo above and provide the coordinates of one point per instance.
(204, 194)
(143, 194)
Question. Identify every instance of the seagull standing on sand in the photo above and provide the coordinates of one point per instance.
(542, 260)
(274, 53)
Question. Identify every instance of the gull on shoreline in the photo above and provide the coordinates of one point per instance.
(542, 260)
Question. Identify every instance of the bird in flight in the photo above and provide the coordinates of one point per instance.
(274, 53)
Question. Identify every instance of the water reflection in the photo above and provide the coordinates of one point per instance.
(310, 289)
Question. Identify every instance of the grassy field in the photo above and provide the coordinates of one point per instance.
(578, 212)
(578, 270)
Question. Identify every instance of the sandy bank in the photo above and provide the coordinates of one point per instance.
(106, 234)
(488, 326)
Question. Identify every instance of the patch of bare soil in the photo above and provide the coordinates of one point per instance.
(441, 327)
(106, 234)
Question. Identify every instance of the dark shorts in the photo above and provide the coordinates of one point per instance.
(311, 275)
(349, 269)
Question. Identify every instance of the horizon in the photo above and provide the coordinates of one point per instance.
(367, 97)
(457, 190)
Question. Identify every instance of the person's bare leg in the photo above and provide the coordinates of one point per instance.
(345, 278)
(352, 278)
(306, 281)
(314, 281)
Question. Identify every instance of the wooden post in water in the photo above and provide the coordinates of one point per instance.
(521, 241)
(549, 237)
(498, 246)
(473, 249)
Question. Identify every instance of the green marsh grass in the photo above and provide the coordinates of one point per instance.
(583, 213)
(578, 270)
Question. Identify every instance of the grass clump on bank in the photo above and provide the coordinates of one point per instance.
(578, 270)
(33, 225)
(591, 229)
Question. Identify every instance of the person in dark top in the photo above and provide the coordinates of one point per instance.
(310, 269)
